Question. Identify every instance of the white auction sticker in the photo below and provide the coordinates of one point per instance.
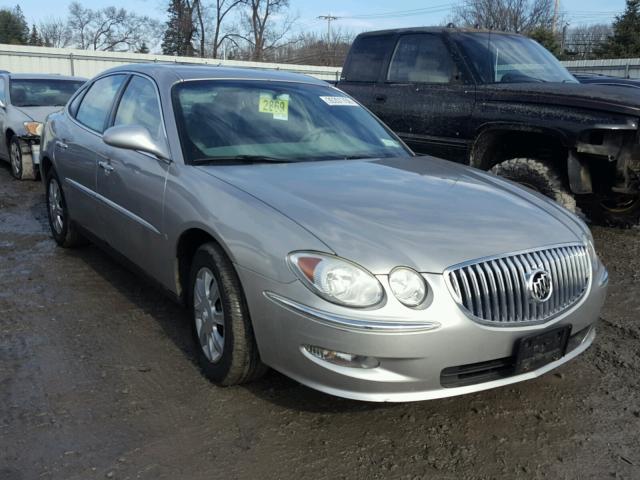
(339, 101)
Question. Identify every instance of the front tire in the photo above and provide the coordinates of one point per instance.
(21, 160)
(63, 230)
(226, 348)
(615, 210)
(538, 176)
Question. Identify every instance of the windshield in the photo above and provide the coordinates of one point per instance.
(220, 119)
(42, 92)
(500, 58)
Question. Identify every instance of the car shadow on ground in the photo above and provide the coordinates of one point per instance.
(176, 324)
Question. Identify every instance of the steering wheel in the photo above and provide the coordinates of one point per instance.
(315, 134)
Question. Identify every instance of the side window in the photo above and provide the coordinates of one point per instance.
(139, 106)
(75, 103)
(97, 102)
(2, 95)
(421, 58)
(366, 58)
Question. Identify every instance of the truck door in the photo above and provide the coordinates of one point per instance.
(428, 98)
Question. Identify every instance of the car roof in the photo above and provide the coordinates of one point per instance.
(394, 31)
(195, 72)
(41, 76)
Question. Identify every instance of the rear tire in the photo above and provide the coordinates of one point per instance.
(539, 176)
(226, 348)
(63, 229)
(21, 160)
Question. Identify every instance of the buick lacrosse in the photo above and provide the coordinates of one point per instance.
(303, 235)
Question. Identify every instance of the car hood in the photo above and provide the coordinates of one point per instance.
(420, 212)
(37, 114)
(608, 98)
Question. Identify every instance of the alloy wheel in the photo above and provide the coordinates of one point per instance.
(16, 159)
(209, 314)
(56, 211)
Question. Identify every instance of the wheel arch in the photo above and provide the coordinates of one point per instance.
(495, 143)
(192, 238)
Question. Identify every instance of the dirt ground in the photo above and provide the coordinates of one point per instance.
(98, 380)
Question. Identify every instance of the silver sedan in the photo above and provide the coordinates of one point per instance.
(303, 235)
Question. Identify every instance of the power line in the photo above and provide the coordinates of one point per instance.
(329, 18)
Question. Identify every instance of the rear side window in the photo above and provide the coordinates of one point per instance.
(366, 58)
(422, 58)
(2, 95)
(139, 106)
(97, 102)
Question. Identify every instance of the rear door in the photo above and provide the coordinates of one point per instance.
(78, 141)
(4, 148)
(429, 96)
(132, 183)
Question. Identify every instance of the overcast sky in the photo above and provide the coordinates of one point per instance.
(357, 15)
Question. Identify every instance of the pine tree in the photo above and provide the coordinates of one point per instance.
(34, 37)
(625, 41)
(177, 39)
(143, 48)
(13, 26)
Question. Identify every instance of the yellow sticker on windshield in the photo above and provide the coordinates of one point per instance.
(277, 106)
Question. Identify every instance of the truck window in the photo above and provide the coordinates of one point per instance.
(366, 58)
(421, 58)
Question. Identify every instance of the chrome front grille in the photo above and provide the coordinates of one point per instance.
(497, 290)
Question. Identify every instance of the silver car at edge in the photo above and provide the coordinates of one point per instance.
(25, 101)
(304, 236)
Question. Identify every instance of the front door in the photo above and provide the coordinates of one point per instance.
(428, 100)
(132, 183)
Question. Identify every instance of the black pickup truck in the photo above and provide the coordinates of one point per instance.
(501, 102)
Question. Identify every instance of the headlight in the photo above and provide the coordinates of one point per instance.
(408, 286)
(337, 280)
(33, 128)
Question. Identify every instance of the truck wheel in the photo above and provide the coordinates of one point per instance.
(539, 176)
(21, 160)
(621, 210)
(226, 348)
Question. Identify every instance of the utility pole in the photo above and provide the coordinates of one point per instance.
(329, 18)
(556, 10)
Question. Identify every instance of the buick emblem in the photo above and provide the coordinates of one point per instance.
(540, 286)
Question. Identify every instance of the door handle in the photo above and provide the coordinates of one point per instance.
(62, 145)
(106, 166)
(381, 98)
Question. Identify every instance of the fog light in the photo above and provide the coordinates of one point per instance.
(340, 358)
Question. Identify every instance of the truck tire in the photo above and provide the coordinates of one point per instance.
(539, 176)
(21, 161)
(621, 211)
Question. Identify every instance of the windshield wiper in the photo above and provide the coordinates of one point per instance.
(243, 159)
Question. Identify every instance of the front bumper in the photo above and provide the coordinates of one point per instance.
(412, 356)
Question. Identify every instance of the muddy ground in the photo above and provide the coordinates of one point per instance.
(98, 380)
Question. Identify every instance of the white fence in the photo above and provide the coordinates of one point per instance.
(625, 67)
(87, 63)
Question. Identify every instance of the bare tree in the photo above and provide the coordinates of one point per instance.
(222, 10)
(79, 20)
(582, 42)
(263, 31)
(109, 28)
(506, 15)
(55, 33)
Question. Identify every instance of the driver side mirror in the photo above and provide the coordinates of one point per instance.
(2, 104)
(135, 137)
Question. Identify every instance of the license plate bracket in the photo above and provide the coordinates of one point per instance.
(535, 351)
